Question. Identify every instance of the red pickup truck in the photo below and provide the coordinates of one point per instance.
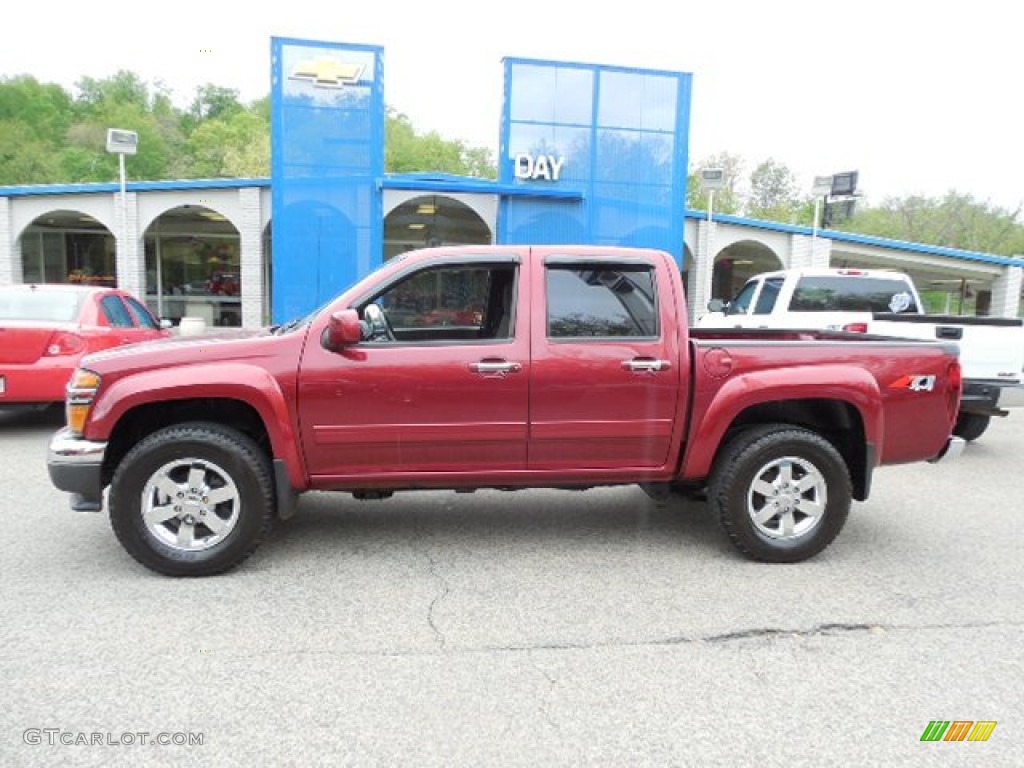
(497, 367)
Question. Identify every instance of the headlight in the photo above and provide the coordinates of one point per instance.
(82, 390)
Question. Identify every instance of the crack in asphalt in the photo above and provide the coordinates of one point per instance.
(542, 706)
(769, 633)
(445, 589)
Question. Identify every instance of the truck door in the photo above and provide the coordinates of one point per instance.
(604, 378)
(441, 386)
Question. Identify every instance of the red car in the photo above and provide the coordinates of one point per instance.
(46, 329)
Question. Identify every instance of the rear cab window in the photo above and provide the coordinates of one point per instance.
(850, 293)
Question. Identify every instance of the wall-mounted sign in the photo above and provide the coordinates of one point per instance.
(539, 167)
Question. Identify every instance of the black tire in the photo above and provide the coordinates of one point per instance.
(818, 480)
(971, 426)
(211, 491)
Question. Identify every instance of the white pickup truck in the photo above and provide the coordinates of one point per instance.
(883, 303)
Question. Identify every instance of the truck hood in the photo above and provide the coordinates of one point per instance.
(177, 351)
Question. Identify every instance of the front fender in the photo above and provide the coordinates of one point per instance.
(248, 384)
(848, 384)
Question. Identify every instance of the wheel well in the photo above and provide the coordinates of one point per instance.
(838, 422)
(143, 420)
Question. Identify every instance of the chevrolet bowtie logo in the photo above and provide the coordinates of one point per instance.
(328, 73)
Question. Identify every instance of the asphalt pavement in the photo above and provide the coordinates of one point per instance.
(537, 628)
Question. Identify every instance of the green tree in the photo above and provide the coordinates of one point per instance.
(236, 145)
(123, 87)
(44, 106)
(25, 158)
(773, 193)
(406, 151)
(956, 220)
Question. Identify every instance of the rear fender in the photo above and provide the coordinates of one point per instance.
(846, 384)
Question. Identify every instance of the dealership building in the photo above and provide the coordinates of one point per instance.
(588, 153)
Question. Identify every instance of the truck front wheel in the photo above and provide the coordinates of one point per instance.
(781, 493)
(194, 499)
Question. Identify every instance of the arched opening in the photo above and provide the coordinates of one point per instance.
(67, 246)
(432, 220)
(193, 266)
(737, 263)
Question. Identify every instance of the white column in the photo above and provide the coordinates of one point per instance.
(702, 269)
(251, 245)
(1006, 292)
(10, 254)
(130, 260)
(807, 252)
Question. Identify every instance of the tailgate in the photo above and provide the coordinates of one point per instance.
(991, 348)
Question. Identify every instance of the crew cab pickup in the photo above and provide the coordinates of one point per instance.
(884, 303)
(497, 367)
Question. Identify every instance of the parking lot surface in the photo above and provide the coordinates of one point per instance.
(537, 628)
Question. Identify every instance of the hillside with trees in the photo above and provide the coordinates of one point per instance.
(51, 135)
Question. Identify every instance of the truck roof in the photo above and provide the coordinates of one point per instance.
(832, 271)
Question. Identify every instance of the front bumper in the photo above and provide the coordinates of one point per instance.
(75, 465)
(954, 447)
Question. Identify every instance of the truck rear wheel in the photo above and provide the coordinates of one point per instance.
(194, 499)
(781, 493)
(971, 426)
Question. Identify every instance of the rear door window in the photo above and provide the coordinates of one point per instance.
(116, 312)
(142, 315)
(601, 300)
(768, 296)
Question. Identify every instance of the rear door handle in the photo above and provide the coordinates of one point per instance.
(646, 365)
(495, 367)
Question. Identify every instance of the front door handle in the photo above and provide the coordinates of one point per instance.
(495, 367)
(646, 365)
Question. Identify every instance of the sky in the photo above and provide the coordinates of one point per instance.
(918, 97)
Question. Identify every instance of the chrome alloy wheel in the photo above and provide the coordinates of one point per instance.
(190, 504)
(787, 498)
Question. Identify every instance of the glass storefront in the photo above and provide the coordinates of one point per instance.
(82, 257)
(194, 276)
(432, 220)
(193, 267)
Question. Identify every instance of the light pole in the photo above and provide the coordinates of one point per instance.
(821, 187)
(711, 179)
(122, 142)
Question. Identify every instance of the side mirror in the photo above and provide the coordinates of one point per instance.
(343, 329)
(717, 305)
(165, 324)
